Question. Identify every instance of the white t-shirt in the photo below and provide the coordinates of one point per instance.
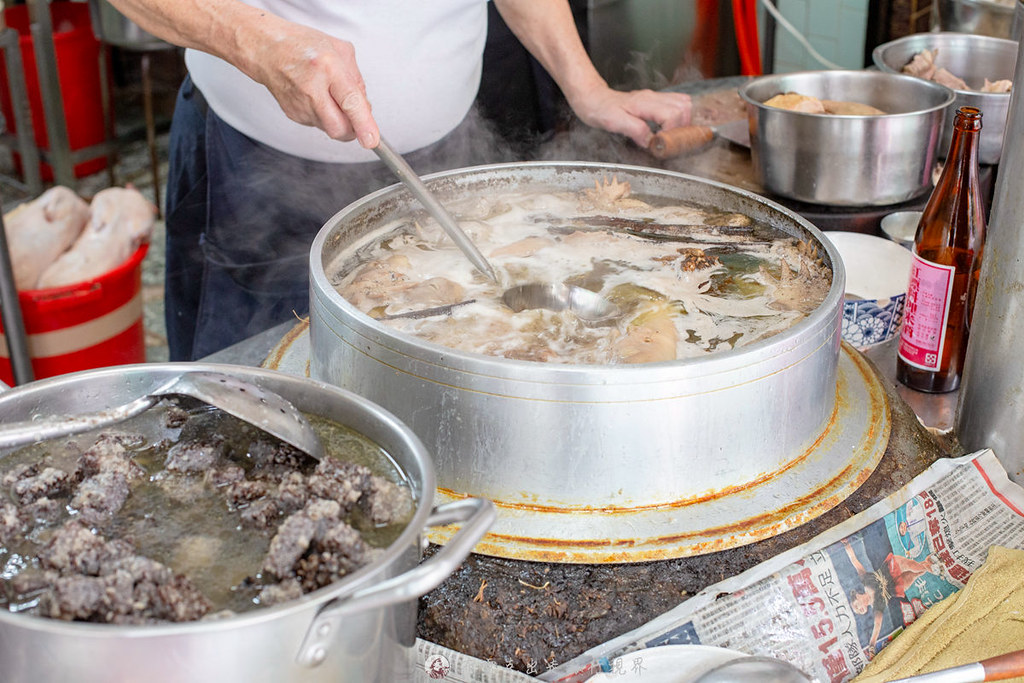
(420, 59)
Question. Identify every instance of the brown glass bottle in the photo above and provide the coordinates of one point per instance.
(944, 274)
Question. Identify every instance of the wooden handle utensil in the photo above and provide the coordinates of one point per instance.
(675, 141)
(997, 668)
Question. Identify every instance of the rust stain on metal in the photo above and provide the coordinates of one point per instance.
(277, 354)
(878, 402)
(796, 511)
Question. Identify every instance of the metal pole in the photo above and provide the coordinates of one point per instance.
(990, 412)
(147, 108)
(10, 310)
(107, 104)
(59, 152)
(22, 113)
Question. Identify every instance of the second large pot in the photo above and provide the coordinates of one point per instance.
(354, 630)
(544, 436)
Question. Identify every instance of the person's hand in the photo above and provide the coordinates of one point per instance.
(629, 112)
(315, 79)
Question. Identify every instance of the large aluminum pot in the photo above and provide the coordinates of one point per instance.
(578, 437)
(846, 160)
(972, 58)
(354, 630)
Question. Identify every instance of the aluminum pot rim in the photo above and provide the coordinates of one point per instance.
(337, 590)
(911, 81)
(716, 362)
(928, 38)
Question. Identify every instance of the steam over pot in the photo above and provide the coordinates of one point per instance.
(529, 434)
(973, 58)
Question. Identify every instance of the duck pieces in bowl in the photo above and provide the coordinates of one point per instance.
(846, 159)
(979, 69)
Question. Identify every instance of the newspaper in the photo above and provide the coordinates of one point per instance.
(432, 662)
(829, 605)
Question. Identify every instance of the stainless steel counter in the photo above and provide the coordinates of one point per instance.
(937, 412)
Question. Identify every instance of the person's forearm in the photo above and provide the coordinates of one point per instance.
(547, 29)
(228, 29)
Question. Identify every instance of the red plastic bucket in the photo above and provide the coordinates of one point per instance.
(88, 325)
(77, 51)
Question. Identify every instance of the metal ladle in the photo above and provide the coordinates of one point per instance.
(246, 401)
(754, 670)
(587, 305)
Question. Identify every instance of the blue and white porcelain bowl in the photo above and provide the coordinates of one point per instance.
(877, 271)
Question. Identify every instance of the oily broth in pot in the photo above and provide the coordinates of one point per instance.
(182, 519)
(690, 279)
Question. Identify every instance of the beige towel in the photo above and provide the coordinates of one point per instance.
(983, 620)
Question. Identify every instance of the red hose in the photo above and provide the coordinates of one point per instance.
(705, 37)
(744, 13)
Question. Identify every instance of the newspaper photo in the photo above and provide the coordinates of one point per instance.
(830, 605)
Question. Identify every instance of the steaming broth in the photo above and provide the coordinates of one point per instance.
(690, 280)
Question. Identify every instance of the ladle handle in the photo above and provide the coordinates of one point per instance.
(400, 168)
(32, 431)
(998, 668)
(675, 141)
(1009, 665)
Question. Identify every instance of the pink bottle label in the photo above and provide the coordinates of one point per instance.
(924, 320)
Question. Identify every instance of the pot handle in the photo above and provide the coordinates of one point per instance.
(478, 515)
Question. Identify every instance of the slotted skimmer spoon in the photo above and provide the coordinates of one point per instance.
(246, 401)
(587, 305)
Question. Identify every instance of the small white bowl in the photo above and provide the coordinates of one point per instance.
(901, 227)
(877, 271)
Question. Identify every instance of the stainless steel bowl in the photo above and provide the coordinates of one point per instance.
(847, 160)
(979, 17)
(972, 58)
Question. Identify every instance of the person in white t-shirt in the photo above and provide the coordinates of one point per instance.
(261, 150)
